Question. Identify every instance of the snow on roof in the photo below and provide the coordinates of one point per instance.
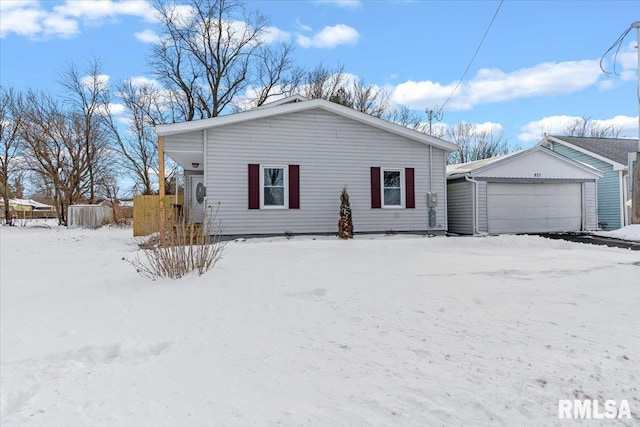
(462, 168)
(29, 202)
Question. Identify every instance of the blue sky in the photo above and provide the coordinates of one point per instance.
(537, 69)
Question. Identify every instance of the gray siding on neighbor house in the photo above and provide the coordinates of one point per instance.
(332, 151)
(460, 207)
(609, 203)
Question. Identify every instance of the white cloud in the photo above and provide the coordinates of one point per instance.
(32, 19)
(100, 9)
(147, 36)
(555, 125)
(330, 37)
(101, 79)
(342, 3)
(493, 85)
(139, 81)
(274, 34)
(115, 109)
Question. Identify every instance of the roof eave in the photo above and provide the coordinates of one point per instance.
(616, 166)
(197, 125)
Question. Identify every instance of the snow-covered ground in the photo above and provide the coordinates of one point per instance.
(630, 232)
(379, 330)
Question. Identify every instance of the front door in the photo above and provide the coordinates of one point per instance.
(197, 195)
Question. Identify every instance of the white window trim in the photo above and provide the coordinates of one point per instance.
(402, 188)
(286, 186)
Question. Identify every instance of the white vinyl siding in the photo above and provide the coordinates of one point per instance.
(460, 201)
(332, 151)
(590, 205)
(184, 142)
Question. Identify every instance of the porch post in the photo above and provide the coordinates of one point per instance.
(161, 188)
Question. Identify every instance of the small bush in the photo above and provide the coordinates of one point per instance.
(187, 247)
(345, 224)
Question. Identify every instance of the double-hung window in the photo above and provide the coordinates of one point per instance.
(274, 186)
(392, 188)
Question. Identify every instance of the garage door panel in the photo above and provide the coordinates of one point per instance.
(532, 208)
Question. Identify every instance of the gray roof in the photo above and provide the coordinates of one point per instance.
(616, 149)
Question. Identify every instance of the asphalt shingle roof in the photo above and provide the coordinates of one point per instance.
(616, 149)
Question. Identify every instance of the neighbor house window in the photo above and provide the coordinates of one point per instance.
(273, 186)
(392, 188)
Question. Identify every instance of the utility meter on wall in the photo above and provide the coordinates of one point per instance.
(432, 200)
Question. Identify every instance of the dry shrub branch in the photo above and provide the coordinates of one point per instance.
(188, 247)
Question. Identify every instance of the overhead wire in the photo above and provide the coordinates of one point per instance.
(617, 45)
(474, 55)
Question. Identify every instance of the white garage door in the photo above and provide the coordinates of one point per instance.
(531, 208)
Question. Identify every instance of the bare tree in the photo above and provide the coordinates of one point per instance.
(88, 94)
(137, 144)
(322, 82)
(474, 143)
(370, 99)
(210, 51)
(404, 116)
(55, 151)
(10, 145)
(586, 127)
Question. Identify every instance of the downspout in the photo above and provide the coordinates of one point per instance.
(474, 200)
(430, 168)
(623, 199)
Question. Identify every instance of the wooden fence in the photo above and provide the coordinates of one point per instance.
(146, 213)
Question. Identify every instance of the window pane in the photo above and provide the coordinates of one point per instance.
(392, 197)
(274, 196)
(392, 179)
(273, 177)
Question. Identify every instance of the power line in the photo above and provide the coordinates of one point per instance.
(474, 55)
(617, 44)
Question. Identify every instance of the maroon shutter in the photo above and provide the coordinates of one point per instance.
(254, 186)
(376, 201)
(294, 186)
(410, 197)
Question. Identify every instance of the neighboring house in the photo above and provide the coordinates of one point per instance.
(609, 156)
(529, 191)
(281, 167)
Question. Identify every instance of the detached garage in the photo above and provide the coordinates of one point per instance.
(530, 191)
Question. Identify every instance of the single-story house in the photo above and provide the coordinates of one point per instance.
(610, 156)
(529, 191)
(280, 168)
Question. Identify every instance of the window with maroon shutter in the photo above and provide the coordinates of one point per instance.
(294, 186)
(254, 186)
(376, 201)
(410, 197)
